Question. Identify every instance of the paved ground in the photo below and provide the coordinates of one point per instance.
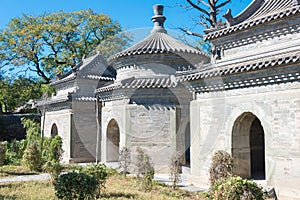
(182, 185)
(160, 177)
(26, 178)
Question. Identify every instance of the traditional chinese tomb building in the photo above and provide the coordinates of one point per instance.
(244, 99)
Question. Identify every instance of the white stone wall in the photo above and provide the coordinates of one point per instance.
(151, 128)
(62, 119)
(277, 107)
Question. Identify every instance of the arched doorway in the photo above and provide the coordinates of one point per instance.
(54, 130)
(248, 147)
(113, 141)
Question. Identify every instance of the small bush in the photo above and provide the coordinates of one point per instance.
(124, 160)
(75, 185)
(175, 169)
(221, 167)
(51, 156)
(54, 168)
(99, 171)
(32, 157)
(236, 188)
(145, 170)
(2, 153)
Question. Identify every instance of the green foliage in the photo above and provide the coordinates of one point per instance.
(41, 152)
(99, 171)
(236, 188)
(54, 168)
(175, 169)
(33, 130)
(221, 166)
(14, 152)
(51, 43)
(11, 97)
(124, 160)
(145, 170)
(2, 153)
(51, 156)
(52, 148)
(75, 185)
(32, 157)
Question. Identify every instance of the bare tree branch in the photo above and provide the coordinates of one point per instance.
(223, 4)
(197, 7)
(191, 33)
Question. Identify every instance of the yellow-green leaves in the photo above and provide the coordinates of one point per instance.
(53, 42)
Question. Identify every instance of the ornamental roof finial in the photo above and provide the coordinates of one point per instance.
(158, 19)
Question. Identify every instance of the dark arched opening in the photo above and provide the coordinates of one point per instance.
(113, 141)
(187, 145)
(54, 130)
(248, 147)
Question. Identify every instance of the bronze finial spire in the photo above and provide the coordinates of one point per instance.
(158, 19)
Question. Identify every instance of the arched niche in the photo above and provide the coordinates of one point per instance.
(113, 141)
(54, 130)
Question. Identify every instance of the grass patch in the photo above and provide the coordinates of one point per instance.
(12, 170)
(34, 190)
(117, 187)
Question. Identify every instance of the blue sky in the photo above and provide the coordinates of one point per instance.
(131, 14)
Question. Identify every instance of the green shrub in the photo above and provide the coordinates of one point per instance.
(32, 157)
(54, 168)
(14, 152)
(2, 153)
(221, 166)
(99, 171)
(75, 185)
(145, 170)
(51, 156)
(236, 188)
(33, 130)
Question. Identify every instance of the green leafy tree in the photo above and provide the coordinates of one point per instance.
(50, 43)
(17, 92)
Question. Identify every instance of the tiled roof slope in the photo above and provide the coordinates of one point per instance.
(244, 67)
(158, 42)
(136, 83)
(107, 74)
(258, 12)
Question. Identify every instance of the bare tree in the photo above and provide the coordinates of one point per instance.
(208, 13)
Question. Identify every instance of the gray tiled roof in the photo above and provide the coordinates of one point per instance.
(284, 59)
(158, 42)
(136, 83)
(259, 12)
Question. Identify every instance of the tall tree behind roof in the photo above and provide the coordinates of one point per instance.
(50, 43)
